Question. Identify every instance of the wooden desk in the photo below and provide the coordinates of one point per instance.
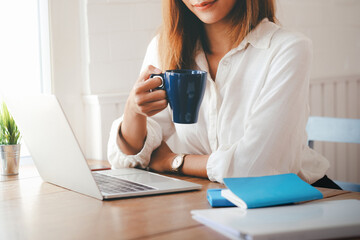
(33, 209)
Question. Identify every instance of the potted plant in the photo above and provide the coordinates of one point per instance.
(9, 143)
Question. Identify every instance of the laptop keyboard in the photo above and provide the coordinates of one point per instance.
(114, 185)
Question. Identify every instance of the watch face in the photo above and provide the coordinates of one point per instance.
(177, 162)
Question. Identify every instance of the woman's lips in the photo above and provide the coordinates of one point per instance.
(204, 5)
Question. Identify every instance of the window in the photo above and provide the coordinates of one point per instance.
(24, 48)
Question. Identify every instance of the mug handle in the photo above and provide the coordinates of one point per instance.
(161, 76)
(162, 86)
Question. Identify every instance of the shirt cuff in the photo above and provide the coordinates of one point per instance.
(218, 163)
(118, 159)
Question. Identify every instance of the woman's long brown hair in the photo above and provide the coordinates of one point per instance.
(181, 29)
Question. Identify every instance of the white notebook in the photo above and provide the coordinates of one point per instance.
(320, 220)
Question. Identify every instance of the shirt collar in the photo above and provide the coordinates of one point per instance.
(260, 37)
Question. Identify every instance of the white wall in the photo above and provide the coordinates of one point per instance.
(334, 28)
(119, 32)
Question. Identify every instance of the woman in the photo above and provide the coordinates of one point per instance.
(253, 115)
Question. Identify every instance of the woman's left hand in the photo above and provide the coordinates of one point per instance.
(162, 158)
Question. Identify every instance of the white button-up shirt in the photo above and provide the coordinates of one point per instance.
(253, 116)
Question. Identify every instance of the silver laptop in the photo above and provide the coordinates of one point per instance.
(60, 161)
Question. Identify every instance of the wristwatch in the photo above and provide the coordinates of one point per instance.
(177, 163)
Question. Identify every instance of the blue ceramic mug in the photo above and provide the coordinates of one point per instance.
(185, 91)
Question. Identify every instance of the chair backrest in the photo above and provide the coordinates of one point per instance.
(329, 129)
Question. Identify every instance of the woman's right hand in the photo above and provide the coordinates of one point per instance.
(142, 99)
(141, 103)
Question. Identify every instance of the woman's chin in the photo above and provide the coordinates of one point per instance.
(208, 18)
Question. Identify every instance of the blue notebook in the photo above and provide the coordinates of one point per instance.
(254, 192)
(216, 200)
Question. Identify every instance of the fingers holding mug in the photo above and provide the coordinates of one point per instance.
(151, 108)
(149, 70)
(144, 98)
(151, 84)
(147, 101)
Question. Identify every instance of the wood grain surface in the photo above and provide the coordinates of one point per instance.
(33, 209)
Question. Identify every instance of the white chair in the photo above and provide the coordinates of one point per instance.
(327, 129)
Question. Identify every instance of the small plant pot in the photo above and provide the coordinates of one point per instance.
(10, 158)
